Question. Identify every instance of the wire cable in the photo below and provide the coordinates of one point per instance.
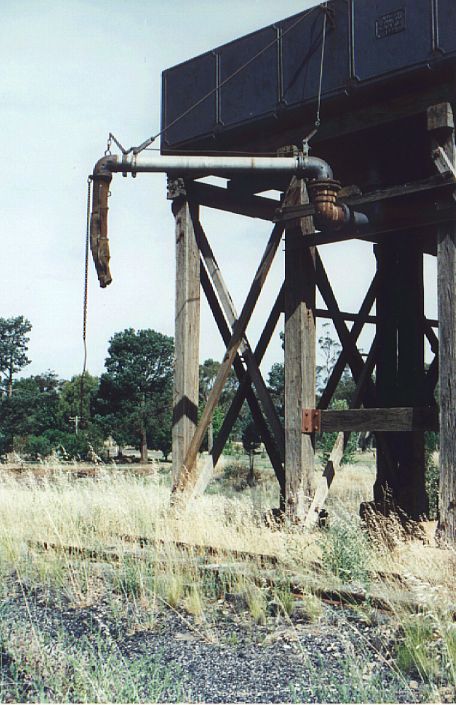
(146, 144)
(234, 74)
(320, 83)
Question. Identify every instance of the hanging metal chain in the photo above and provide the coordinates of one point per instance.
(85, 297)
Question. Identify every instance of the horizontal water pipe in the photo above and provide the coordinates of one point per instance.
(300, 165)
(329, 215)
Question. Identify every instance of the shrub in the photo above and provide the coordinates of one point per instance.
(4, 443)
(345, 551)
(37, 446)
(325, 443)
(72, 445)
(432, 480)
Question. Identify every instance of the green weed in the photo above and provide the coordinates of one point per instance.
(345, 551)
(89, 669)
(414, 652)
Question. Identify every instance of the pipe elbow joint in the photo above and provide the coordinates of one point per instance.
(105, 166)
(330, 215)
(314, 168)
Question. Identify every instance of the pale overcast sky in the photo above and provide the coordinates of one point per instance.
(71, 71)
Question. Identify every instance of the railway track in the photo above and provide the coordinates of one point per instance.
(387, 591)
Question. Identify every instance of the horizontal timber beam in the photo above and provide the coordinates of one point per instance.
(397, 419)
(375, 232)
(433, 183)
(352, 317)
(233, 202)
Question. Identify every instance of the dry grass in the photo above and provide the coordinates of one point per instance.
(100, 509)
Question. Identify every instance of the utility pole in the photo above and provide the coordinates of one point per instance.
(76, 420)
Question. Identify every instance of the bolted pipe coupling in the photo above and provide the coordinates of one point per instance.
(328, 213)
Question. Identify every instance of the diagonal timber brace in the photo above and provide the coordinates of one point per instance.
(337, 453)
(353, 356)
(244, 347)
(185, 484)
(245, 392)
(355, 332)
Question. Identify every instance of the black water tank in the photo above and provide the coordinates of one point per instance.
(368, 43)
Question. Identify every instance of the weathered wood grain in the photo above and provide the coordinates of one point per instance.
(186, 336)
(441, 126)
(387, 420)
(300, 285)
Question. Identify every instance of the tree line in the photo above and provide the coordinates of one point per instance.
(131, 401)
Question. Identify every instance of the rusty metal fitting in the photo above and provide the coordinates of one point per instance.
(311, 420)
(323, 195)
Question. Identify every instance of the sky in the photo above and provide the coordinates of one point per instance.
(71, 71)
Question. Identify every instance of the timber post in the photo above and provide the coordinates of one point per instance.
(441, 127)
(187, 325)
(400, 379)
(300, 374)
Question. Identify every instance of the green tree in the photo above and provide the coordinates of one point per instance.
(207, 373)
(32, 408)
(276, 386)
(13, 349)
(70, 404)
(135, 393)
(160, 435)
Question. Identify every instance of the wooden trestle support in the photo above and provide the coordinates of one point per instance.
(399, 406)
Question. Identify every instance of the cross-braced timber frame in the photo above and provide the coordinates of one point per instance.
(398, 406)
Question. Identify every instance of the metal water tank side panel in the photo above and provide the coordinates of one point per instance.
(446, 26)
(391, 36)
(252, 93)
(302, 52)
(183, 86)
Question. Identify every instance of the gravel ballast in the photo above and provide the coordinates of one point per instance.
(338, 658)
